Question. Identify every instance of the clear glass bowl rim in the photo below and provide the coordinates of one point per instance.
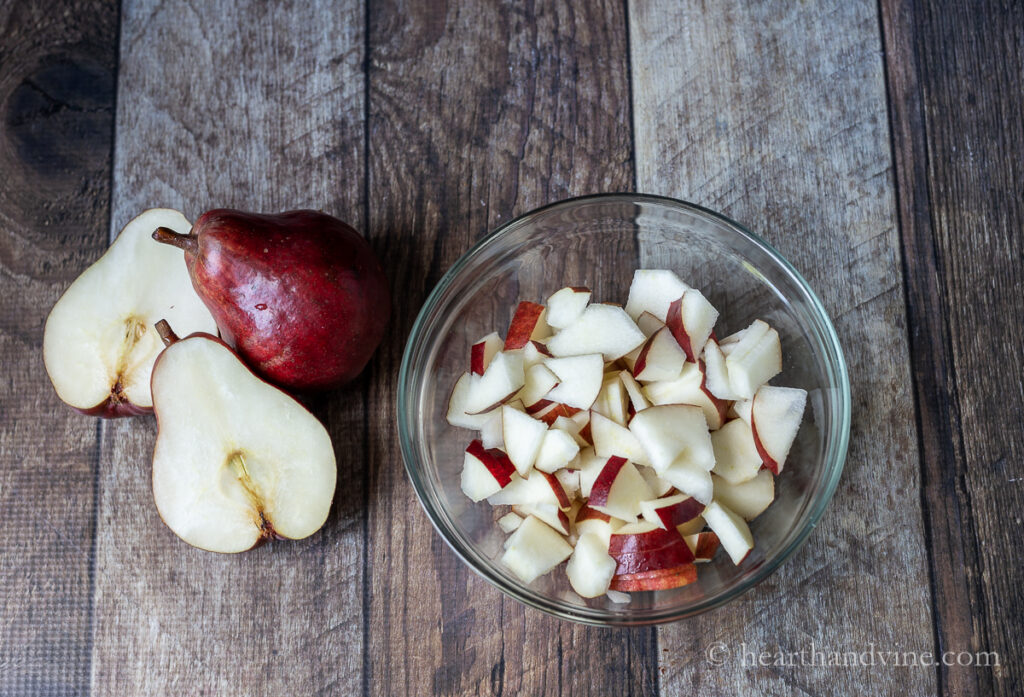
(835, 456)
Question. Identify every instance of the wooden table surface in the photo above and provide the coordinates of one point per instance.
(878, 145)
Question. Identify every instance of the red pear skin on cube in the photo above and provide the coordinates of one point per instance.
(586, 513)
(538, 406)
(649, 551)
(637, 543)
(541, 349)
(524, 321)
(776, 412)
(660, 358)
(483, 352)
(564, 519)
(674, 322)
(495, 460)
(476, 359)
(548, 411)
(721, 405)
(653, 560)
(706, 546)
(662, 580)
(563, 499)
(300, 295)
(769, 463)
(657, 573)
(682, 512)
(641, 359)
(603, 484)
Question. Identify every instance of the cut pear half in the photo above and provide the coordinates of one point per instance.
(99, 344)
(237, 461)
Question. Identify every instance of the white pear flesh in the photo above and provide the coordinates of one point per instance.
(236, 460)
(604, 529)
(613, 400)
(503, 378)
(492, 431)
(590, 466)
(570, 481)
(697, 318)
(659, 487)
(604, 329)
(99, 344)
(538, 381)
(566, 305)
(580, 379)
(776, 413)
(661, 358)
(743, 409)
(736, 457)
(523, 436)
(653, 290)
(714, 368)
(674, 433)
(478, 482)
(571, 426)
(548, 513)
(754, 360)
(648, 323)
(556, 450)
(534, 549)
(457, 415)
(622, 496)
(635, 392)
(691, 479)
(687, 388)
(510, 522)
(611, 438)
(732, 531)
(748, 499)
(591, 568)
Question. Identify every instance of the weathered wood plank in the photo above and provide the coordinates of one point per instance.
(775, 114)
(257, 106)
(958, 139)
(57, 77)
(480, 111)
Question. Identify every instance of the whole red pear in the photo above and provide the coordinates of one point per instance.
(299, 295)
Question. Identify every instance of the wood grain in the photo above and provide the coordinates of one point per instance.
(256, 106)
(56, 117)
(479, 111)
(958, 136)
(774, 113)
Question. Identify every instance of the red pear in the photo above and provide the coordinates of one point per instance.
(299, 295)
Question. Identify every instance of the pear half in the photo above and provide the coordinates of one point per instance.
(237, 461)
(99, 343)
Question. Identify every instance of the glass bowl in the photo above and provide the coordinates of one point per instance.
(598, 241)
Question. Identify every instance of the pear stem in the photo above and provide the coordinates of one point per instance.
(166, 333)
(190, 243)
